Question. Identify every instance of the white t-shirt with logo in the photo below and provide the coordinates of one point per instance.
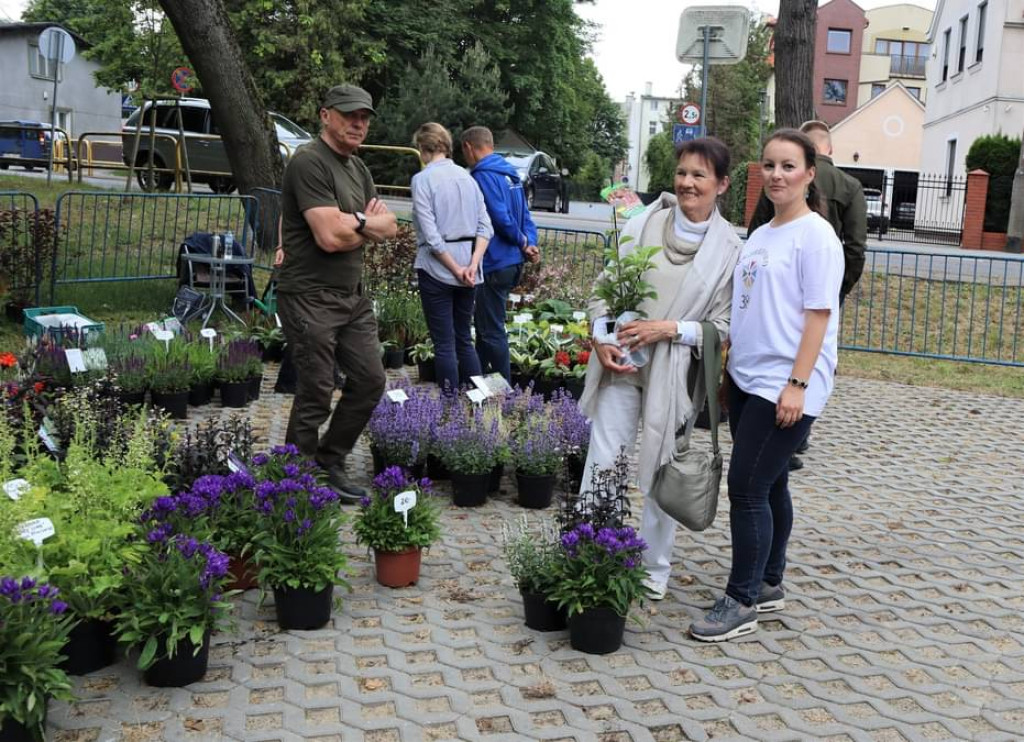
(783, 271)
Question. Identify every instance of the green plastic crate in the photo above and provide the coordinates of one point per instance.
(36, 324)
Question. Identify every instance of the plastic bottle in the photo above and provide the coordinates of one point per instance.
(215, 248)
(229, 244)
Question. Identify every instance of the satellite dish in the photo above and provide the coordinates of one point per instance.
(57, 45)
(727, 34)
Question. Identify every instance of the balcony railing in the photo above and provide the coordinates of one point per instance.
(906, 66)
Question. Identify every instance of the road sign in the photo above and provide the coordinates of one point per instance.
(684, 133)
(181, 80)
(722, 27)
(689, 114)
(56, 44)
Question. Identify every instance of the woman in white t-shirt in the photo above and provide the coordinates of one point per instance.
(782, 360)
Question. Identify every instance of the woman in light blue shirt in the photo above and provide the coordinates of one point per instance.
(452, 230)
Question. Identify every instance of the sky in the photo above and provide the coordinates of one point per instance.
(635, 39)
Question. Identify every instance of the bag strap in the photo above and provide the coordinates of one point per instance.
(711, 360)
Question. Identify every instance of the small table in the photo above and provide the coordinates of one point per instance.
(217, 288)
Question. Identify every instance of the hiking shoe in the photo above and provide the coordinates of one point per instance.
(727, 620)
(348, 493)
(655, 590)
(771, 598)
(795, 463)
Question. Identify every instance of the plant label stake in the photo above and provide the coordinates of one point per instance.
(398, 396)
(514, 299)
(166, 336)
(15, 488)
(76, 362)
(47, 439)
(36, 531)
(153, 327)
(209, 333)
(404, 502)
(235, 464)
(277, 319)
(171, 324)
(556, 329)
(476, 396)
(481, 383)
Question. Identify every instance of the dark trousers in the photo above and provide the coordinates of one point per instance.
(323, 328)
(449, 314)
(491, 336)
(760, 508)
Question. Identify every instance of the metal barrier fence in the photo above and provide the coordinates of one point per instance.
(948, 306)
(132, 237)
(23, 238)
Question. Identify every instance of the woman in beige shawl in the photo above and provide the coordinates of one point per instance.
(692, 275)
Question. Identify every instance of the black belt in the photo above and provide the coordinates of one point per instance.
(460, 239)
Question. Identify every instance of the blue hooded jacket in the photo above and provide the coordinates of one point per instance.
(506, 204)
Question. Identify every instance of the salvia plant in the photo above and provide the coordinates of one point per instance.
(400, 433)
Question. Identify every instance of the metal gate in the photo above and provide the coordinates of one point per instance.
(915, 207)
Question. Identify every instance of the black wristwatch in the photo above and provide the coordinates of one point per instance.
(361, 217)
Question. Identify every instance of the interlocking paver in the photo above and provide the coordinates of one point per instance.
(904, 618)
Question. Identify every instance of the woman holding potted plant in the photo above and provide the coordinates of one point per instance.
(452, 229)
(398, 538)
(688, 281)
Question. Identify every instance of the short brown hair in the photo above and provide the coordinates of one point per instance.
(432, 138)
(710, 149)
(478, 137)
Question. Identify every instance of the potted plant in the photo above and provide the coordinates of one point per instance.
(33, 630)
(622, 288)
(170, 376)
(270, 339)
(574, 430)
(173, 601)
(397, 312)
(233, 371)
(537, 456)
(467, 443)
(203, 364)
(397, 540)
(297, 548)
(255, 367)
(399, 433)
(531, 558)
(422, 354)
(131, 377)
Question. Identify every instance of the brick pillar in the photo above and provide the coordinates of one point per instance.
(974, 209)
(755, 186)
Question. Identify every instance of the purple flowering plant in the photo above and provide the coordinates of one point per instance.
(537, 446)
(470, 441)
(175, 592)
(297, 545)
(400, 433)
(381, 528)
(239, 360)
(34, 626)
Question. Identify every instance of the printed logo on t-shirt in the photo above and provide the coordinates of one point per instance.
(753, 260)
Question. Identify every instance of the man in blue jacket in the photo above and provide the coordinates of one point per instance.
(515, 238)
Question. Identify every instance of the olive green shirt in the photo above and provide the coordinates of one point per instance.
(318, 176)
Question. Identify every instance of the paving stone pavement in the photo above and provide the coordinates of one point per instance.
(903, 619)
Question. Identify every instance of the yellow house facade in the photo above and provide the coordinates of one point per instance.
(895, 48)
(885, 133)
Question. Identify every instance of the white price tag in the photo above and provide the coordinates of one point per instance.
(476, 396)
(557, 329)
(171, 324)
(398, 396)
(515, 298)
(154, 327)
(209, 333)
(481, 383)
(95, 359)
(521, 319)
(164, 335)
(404, 502)
(37, 530)
(15, 488)
(579, 316)
(47, 439)
(76, 362)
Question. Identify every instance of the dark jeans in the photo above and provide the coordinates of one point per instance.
(491, 337)
(760, 509)
(323, 328)
(449, 314)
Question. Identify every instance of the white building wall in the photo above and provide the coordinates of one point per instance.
(646, 115)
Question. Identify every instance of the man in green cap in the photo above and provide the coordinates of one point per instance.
(329, 212)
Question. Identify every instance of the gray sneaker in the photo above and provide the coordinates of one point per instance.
(338, 480)
(727, 620)
(771, 598)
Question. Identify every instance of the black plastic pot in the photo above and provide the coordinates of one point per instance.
(255, 382)
(494, 482)
(535, 491)
(234, 393)
(574, 465)
(541, 614)
(545, 386)
(575, 387)
(175, 403)
(521, 380)
(184, 668)
(469, 490)
(132, 398)
(427, 371)
(200, 393)
(394, 357)
(596, 630)
(91, 646)
(436, 470)
(271, 353)
(303, 608)
(12, 731)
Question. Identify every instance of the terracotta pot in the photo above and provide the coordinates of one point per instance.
(398, 568)
(244, 573)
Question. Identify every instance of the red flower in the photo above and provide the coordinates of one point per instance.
(562, 358)
(7, 360)
(39, 387)
(583, 357)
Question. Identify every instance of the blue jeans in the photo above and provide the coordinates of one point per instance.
(449, 314)
(760, 509)
(491, 337)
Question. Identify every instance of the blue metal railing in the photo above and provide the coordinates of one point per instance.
(22, 244)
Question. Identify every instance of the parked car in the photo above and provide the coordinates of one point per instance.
(206, 154)
(24, 143)
(546, 186)
(876, 221)
(903, 217)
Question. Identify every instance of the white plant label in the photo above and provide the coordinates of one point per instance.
(515, 298)
(95, 359)
(154, 327)
(496, 384)
(37, 530)
(404, 502)
(209, 333)
(171, 324)
(521, 319)
(579, 316)
(277, 319)
(76, 362)
(15, 488)
(398, 396)
(557, 329)
(476, 396)
(481, 383)
(166, 336)
(47, 439)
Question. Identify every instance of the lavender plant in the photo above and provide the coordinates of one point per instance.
(468, 441)
(400, 433)
(536, 447)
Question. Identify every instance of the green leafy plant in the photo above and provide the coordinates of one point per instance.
(423, 351)
(381, 528)
(531, 555)
(622, 286)
(169, 373)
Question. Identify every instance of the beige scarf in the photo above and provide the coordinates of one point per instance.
(666, 405)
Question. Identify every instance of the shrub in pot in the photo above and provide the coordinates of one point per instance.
(33, 629)
(170, 376)
(203, 363)
(621, 289)
(400, 433)
(233, 371)
(297, 548)
(531, 556)
(130, 375)
(467, 443)
(270, 339)
(397, 540)
(422, 354)
(537, 456)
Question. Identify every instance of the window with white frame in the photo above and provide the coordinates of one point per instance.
(39, 66)
(945, 54)
(979, 46)
(961, 57)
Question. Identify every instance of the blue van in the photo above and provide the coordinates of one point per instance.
(27, 141)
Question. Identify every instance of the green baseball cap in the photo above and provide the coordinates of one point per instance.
(348, 98)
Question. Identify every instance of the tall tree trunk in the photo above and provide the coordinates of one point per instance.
(249, 137)
(1015, 228)
(794, 61)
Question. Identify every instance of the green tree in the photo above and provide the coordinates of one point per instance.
(660, 159)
